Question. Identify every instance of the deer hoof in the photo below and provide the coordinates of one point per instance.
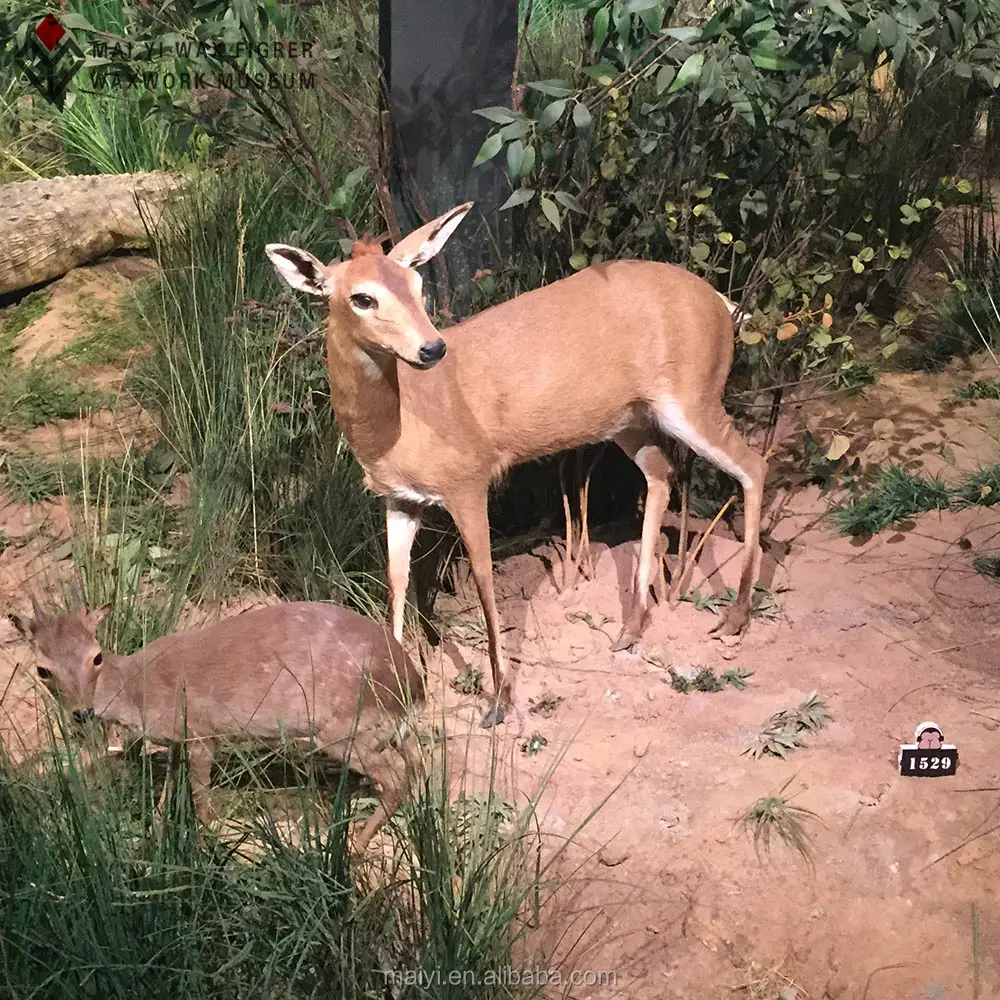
(626, 640)
(494, 717)
(632, 630)
(735, 623)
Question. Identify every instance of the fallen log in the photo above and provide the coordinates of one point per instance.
(50, 226)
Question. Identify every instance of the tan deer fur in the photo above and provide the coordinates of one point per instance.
(628, 351)
(293, 669)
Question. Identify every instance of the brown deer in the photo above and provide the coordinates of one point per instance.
(625, 350)
(299, 669)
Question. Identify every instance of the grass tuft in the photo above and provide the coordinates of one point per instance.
(774, 816)
(896, 494)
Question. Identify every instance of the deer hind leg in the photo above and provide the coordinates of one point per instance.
(711, 434)
(652, 460)
(402, 521)
(472, 521)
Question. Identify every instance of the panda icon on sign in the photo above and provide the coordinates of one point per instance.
(928, 756)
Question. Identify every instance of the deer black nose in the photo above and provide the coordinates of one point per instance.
(82, 715)
(432, 353)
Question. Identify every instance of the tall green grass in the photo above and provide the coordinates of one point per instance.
(241, 389)
(101, 896)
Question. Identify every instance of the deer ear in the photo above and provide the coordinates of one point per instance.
(94, 618)
(299, 268)
(425, 242)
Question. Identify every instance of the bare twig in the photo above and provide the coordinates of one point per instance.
(682, 580)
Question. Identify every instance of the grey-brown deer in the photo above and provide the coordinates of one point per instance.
(295, 669)
(627, 351)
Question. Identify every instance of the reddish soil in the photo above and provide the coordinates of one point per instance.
(890, 633)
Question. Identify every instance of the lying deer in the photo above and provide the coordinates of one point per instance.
(299, 669)
(627, 351)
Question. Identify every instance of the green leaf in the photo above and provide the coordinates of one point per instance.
(515, 130)
(581, 116)
(488, 150)
(700, 252)
(75, 22)
(551, 114)
(519, 197)
(515, 156)
(63, 552)
(887, 30)
(528, 163)
(635, 6)
(724, 238)
(688, 35)
(578, 261)
(601, 21)
(604, 69)
(550, 211)
(689, 72)
(921, 203)
(856, 265)
(964, 187)
(867, 39)
(497, 114)
(664, 78)
(554, 88)
(836, 7)
(569, 201)
(764, 59)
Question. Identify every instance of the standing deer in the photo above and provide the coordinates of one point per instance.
(627, 351)
(298, 669)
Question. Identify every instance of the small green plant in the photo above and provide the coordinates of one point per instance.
(783, 732)
(987, 566)
(895, 495)
(762, 603)
(534, 744)
(979, 488)
(980, 389)
(544, 705)
(705, 680)
(19, 318)
(775, 816)
(827, 472)
(42, 392)
(898, 494)
(31, 479)
(469, 681)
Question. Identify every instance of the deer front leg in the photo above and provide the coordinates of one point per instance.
(472, 521)
(402, 522)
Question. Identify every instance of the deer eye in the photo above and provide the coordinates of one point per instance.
(99, 659)
(361, 301)
(44, 673)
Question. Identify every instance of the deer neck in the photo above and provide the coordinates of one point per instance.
(114, 693)
(364, 393)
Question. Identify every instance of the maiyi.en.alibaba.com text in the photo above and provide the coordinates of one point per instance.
(503, 976)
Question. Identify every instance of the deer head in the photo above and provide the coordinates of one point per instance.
(375, 298)
(69, 656)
